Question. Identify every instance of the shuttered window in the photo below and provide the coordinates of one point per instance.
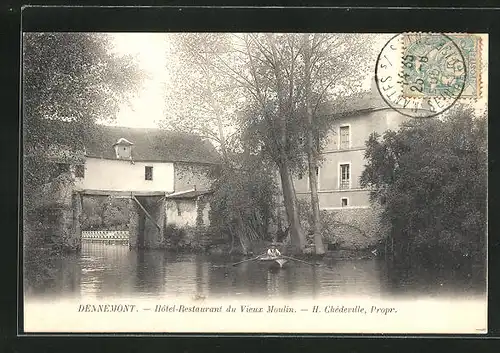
(344, 137)
(345, 176)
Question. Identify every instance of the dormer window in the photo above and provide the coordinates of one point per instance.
(123, 149)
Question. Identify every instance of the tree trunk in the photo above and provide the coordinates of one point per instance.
(313, 184)
(312, 152)
(297, 234)
(232, 242)
(244, 247)
(242, 235)
(280, 233)
(266, 226)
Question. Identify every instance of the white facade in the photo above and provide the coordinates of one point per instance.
(125, 175)
(343, 160)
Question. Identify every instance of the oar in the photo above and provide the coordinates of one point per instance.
(307, 263)
(294, 259)
(252, 259)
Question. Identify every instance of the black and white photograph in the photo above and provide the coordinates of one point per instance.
(209, 182)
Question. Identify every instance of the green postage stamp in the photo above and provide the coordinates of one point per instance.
(438, 65)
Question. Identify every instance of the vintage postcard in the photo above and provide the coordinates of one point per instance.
(255, 182)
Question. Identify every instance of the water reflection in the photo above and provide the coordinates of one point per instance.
(104, 270)
(456, 280)
(150, 272)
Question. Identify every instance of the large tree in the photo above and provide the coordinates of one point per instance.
(333, 67)
(268, 72)
(70, 81)
(283, 88)
(297, 82)
(228, 76)
(430, 177)
(201, 97)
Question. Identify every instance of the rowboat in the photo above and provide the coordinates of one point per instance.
(274, 260)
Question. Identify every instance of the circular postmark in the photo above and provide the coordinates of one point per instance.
(420, 75)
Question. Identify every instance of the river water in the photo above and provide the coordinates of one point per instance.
(114, 270)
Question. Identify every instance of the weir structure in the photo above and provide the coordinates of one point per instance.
(58, 209)
(147, 216)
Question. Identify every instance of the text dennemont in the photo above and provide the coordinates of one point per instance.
(106, 308)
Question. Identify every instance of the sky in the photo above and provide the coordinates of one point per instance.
(150, 51)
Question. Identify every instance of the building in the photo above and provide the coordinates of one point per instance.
(148, 161)
(145, 160)
(163, 178)
(341, 166)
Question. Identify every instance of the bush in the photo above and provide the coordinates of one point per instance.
(430, 178)
(186, 238)
(172, 236)
(104, 214)
(328, 223)
(242, 204)
(328, 226)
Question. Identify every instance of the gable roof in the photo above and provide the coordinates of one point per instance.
(123, 141)
(154, 145)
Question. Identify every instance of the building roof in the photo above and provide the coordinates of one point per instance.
(154, 145)
(365, 101)
(123, 141)
(189, 194)
(362, 102)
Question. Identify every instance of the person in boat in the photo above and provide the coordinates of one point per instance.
(273, 251)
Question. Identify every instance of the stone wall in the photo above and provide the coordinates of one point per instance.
(188, 230)
(134, 224)
(356, 228)
(191, 176)
(143, 232)
(181, 212)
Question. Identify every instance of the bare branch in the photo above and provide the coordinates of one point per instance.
(320, 97)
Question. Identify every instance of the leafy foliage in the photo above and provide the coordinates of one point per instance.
(101, 213)
(430, 177)
(243, 201)
(251, 92)
(197, 77)
(70, 81)
(74, 77)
